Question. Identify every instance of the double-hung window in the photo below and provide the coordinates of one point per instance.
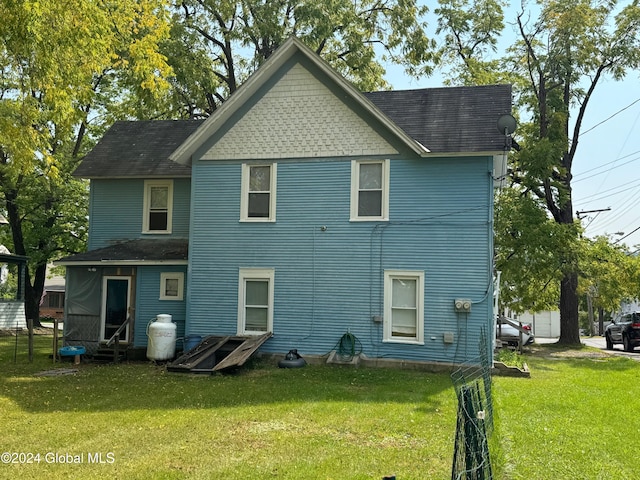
(258, 202)
(157, 206)
(255, 301)
(404, 306)
(370, 190)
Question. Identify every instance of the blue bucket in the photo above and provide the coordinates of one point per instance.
(190, 341)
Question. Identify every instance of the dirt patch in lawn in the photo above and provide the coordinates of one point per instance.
(562, 351)
(25, 332)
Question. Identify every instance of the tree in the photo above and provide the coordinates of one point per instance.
(216, 44)
(609, 274)
(66, 68)
(561, 56)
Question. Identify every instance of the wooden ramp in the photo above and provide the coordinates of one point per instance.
(215, 353)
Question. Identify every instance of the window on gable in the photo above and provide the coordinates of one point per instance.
(158, 206)
(258, 193)
(172, 286)
(404, 306)
(370, 190)
(255, 301)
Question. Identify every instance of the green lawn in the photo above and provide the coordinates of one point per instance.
(318, 422)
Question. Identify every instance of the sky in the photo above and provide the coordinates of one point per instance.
(606, 169)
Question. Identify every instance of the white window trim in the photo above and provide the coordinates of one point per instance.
(355, 164)
(389, 276)
(147, 201)
(164, 276)
(254, 274)
(244, 199)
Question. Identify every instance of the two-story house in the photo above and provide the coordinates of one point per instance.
(302, 207)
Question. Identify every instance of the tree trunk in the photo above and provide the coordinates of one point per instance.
(34, 292)
(569, 305)
(569, 324)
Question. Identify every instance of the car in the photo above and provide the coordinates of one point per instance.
(624, 329)
(507, 332)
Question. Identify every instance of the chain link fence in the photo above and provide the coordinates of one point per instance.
(472, 382)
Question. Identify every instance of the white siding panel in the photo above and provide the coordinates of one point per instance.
(12, 315)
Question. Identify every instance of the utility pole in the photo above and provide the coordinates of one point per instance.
(581, 214)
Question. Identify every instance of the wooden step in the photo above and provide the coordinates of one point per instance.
(106, 355)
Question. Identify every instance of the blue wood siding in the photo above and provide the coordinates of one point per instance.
(148, 303)
(115, 211)
(329, 281)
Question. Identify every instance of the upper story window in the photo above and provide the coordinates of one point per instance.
(258, 203)
(370, 190)
(158, 206)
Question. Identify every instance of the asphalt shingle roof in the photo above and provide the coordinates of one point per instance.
(449, 119)
(445, 120)
(141, 250)
(138, 149)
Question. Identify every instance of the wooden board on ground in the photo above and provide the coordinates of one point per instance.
(215, 353)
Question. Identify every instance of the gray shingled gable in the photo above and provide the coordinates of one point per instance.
(138, 149)
(449, 119)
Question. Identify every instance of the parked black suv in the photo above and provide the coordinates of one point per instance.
(625, 330)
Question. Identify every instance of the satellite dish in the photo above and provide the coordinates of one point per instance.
(506, 124)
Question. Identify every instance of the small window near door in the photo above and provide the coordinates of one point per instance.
(255, 301)
(172, 286)
(158, 206)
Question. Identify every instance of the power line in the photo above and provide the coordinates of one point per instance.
(604, 165)
(626, 206)
(628, 234)
(609, 118)
(606, 193)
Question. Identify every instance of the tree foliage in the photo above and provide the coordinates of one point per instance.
(216, 44)
(65, 68)
(609, 274)
(565, 48)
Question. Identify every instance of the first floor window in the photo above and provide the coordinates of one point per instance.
(404, 306)
(255, 301)
(258, 202)
(172, 286)
(157, 206)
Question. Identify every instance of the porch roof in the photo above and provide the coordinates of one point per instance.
(134, 252)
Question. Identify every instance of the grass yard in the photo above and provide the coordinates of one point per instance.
(262, 422)
(573, 418)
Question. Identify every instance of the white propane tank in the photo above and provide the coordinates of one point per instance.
(162, 338)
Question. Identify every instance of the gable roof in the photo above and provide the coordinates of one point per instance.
(138, 149)
(449, 119)
(282, 55)
(444, 120)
